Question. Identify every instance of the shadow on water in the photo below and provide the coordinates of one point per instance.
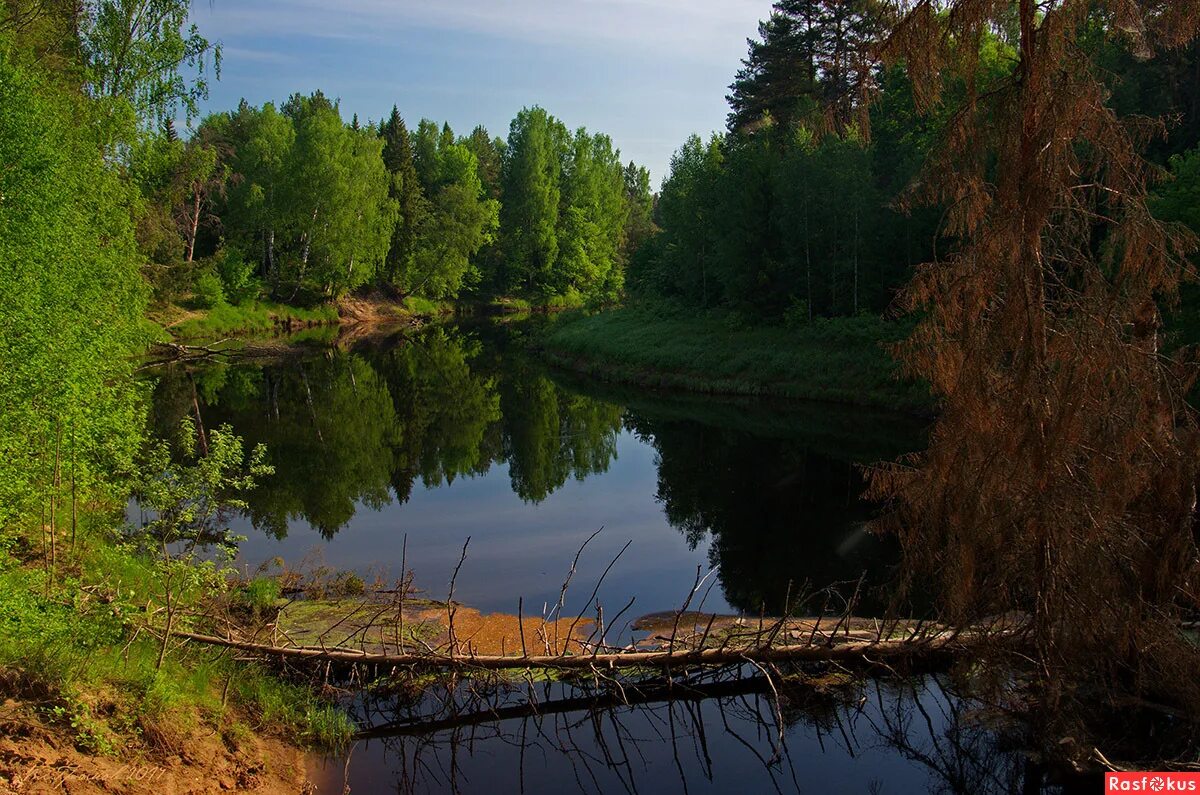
(725, 731)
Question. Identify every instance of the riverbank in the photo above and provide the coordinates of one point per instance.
(37, 757)
(86, 703)
(255, 317)
(267, 318)
(665, 347)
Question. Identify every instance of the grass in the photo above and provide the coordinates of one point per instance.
(69, 646)
(427, 307)
(673, 348)
(253, 317)
(511, 304)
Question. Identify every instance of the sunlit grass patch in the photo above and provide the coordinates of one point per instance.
(253, 317)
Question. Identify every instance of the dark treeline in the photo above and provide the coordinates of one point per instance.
(795, 212)
(294, 202)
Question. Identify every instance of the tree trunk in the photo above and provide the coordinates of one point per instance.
(951, 642)
(193, 226)
(856, 234)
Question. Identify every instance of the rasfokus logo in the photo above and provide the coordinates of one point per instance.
(1152, 782)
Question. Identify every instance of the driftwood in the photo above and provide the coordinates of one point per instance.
(943, 642)
(172, 352)
(162, 354)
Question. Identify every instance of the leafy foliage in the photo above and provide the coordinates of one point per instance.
(191, 496)
(134, 50)
(67, 252)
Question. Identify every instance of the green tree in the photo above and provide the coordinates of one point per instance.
(337, 199)
(591, 221)
(191, 498)
(256, 214)
(1178, 198)
(199, 181)
(489, 152)
(640, 201)
(687, 210)
(405, 189)
(827, 218)
(530, 208)
(136, 50)
(459, 219)
(68, 257)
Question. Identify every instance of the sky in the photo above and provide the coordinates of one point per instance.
(647, 72)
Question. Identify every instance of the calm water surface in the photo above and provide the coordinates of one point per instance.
(397, 454)
(393, 454)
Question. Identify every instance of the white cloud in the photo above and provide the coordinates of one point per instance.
(258, 56)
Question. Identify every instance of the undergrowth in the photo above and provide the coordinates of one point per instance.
(661, 345)
(70, 645)
(253, 317)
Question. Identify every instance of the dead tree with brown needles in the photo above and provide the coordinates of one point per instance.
(1060, 476)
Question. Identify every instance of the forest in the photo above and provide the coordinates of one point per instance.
(795, 212)
(298, 204)
(979, 219)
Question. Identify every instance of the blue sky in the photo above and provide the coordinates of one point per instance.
(647, 72)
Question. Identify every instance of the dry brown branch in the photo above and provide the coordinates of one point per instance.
(1061, 474)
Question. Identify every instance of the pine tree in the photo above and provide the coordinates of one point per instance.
(810, 57)
(406, 190)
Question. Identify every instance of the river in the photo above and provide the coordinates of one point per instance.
(400, 452)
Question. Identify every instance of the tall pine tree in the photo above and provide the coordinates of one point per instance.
(405, 189)
(808, 59)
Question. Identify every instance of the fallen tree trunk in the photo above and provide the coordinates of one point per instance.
(865, 651)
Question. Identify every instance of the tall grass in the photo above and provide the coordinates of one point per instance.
(70, 645)
(253, 317)
(670, 347)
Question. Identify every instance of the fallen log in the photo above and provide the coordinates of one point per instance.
(861, 651)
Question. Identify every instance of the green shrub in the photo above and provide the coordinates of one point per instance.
(258, 596)
(237, 276)
(209, 292)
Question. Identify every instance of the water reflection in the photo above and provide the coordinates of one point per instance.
(365, 441)
(733, 730)
(361, 428)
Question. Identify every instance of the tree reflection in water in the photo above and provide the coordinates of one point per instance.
(772, 491)
(345, 429)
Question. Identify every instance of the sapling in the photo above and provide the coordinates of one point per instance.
(190, 499)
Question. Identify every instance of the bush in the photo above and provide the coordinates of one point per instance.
(237, 276)
(209, 291)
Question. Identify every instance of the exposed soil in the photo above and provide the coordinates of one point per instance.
(371, 308)
(380, 627)
(39, 758)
